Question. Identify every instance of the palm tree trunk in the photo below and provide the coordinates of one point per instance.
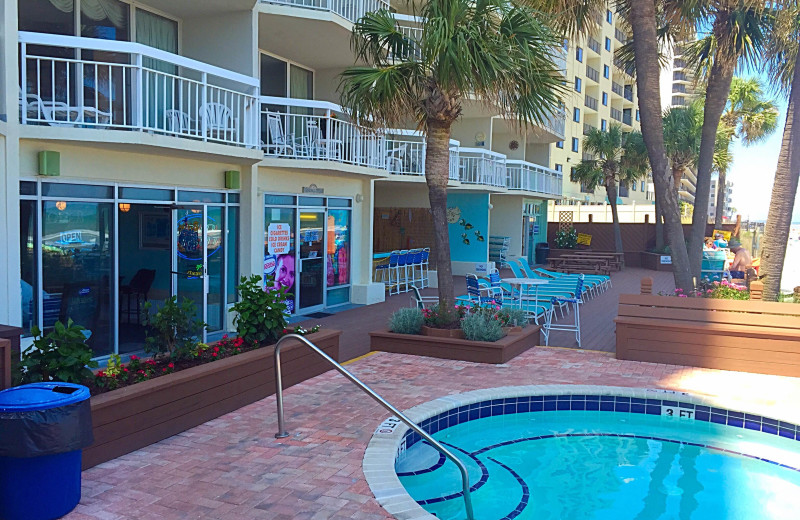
(659, 225)
(642, 19)
(720, 198)
(717, 90)
(784, 191)
(437, 167)
(677, 175)
(611, 193)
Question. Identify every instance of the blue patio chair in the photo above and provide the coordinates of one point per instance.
(426, 252)
(414, 267)
(400, 272)
(576, 303)
(477, 295)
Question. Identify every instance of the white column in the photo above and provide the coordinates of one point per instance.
(364, 290)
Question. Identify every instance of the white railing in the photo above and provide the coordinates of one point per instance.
(133, 87)
(351, 10)
(405, 156)
(317, 130)
(454, 159)
(526, 176)
(557, 122)
(481, 166)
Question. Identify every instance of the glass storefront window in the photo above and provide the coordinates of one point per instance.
(28, 256)
(338, 247)
(215, 257)
(233, 253)
(279, 254)
(77, 284)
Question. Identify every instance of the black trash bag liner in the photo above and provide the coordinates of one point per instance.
(36, 433)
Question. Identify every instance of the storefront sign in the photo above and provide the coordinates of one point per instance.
(536, 229)
(584, 239)
(313, 189)
(666, 260)
(71, 237)
(279, 239)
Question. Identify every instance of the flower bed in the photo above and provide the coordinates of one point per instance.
(723, 290)
(140, 414)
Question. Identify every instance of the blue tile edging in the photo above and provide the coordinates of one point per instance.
(387, 444)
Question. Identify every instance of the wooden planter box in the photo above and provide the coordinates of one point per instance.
(5, 364)
(747, 336)
(136, 416)
(652, 261)
(501, 351)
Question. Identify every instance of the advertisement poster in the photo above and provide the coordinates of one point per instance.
(279, 253)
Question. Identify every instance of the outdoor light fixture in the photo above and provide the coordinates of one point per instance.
(124, 207)
(61, 205)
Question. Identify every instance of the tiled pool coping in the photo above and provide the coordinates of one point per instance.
(391, 437)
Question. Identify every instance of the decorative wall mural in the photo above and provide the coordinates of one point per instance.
(453, 215)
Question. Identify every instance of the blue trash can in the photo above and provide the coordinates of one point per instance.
(43, 430)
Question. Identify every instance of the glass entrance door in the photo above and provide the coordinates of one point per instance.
(311, 244)
(190, 273)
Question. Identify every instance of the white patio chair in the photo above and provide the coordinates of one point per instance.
(54, 113)
(395, 158)
(218, 121)
(177, 121)
(319, 147)
(279, 143)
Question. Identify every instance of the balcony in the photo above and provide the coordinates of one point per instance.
(556, 123)
(616, 114)
(679, 76)
(590, 102)
(626, 119)
(620, 36)
(622, 67)
(481, 166)
(593, 74)
(347, 9)
(405, 153)
(593, 44)
(587, 128)
(526, 176)
(135, 88)
(616, 88)
(627, 93)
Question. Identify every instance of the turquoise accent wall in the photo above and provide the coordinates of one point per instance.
(475, 211)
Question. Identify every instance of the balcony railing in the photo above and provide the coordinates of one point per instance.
(557, 122)
(526, 176)
(347, 9)
(481, 166)
(588, 128)
(627, 93)
(620, 36)
(616, 114)
(616, 88)
(593, 44)
(133, 87)
(627, 69)
(679, 76)
(593, 74)
(321, 131)
(590, 102)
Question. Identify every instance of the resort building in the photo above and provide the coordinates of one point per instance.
(601, 92)
(160, 149)
(727, 202)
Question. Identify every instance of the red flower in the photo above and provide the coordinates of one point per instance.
(214, 354)
(165, 369)
(101, 374)
(125, 369)
(225, 336)
(216, 349)
(171, 365)
(238, 342)
(134, 358)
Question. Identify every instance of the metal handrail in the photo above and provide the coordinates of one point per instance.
(282, 433)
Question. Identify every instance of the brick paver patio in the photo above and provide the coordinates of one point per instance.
(233, 468)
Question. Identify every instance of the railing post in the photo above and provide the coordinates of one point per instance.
(137, 93)
(203, 103)
(23, 49)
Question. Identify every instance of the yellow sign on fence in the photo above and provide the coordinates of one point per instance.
(584, 239)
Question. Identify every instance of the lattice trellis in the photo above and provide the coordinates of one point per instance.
(564, 220)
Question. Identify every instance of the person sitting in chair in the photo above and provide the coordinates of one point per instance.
(741, 260)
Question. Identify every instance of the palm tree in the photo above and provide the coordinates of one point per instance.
(498, 51)
(749, 117)
(619, 159)
(642, 19)
(737, 36)
(784, 66)
(682, 126)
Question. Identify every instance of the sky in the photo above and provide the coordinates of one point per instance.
(753, 172)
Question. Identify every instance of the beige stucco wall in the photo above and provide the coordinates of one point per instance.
(401, 195)
(226, 40)
(505, 219)
(81, 161)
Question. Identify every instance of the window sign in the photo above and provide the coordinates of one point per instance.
(279, 237)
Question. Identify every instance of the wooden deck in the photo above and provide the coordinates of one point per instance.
(597, 315)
